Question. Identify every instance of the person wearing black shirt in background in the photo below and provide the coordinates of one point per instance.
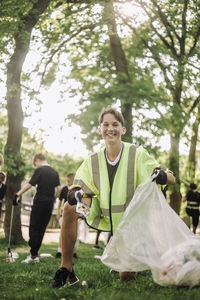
(193, 201)
(48, 188)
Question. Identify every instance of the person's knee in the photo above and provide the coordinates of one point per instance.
(126, 276)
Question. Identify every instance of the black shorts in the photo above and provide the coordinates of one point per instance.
(194, 213)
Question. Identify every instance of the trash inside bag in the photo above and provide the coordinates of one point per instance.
(152, 236)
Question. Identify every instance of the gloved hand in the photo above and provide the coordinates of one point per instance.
(159, 176)
(74, 195)
(16, 200)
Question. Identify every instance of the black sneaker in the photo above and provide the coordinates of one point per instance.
(60, 278)
(73, 279)
(58, 255)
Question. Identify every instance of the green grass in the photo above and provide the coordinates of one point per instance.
(33, 281)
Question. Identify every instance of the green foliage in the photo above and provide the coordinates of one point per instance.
(64, 165)
(163, 61)
(3, 131)
(13, 162)
(184, 171)
(22, 163)
(50, 76)
(11, 12)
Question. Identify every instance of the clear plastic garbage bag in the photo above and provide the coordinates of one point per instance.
(152, 236)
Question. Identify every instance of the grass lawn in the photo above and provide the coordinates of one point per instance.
(33, 281)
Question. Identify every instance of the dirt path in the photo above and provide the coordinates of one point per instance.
(52, 235)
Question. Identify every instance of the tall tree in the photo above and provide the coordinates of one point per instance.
(166, 43)
(121, 64)
(24, 16)
(193, 146)
(100, 64)
(170, 38)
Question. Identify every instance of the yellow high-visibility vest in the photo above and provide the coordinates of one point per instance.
(108, 206)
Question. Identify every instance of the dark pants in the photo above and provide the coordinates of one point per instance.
(194, 213)
(39, 219)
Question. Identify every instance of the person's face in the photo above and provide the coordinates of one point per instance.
(111, 129)
(69, 181)
(37, 163)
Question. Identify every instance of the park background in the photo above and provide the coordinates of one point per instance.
(62, 61)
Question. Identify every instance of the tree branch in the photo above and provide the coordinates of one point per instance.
(165, 22)
(170, 47)
(91, 27)
(34, 13)
(154, 56)
(195, 104)
(196, 37)
(193, 65)
(184, 28)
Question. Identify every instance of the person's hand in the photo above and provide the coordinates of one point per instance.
(159, 176)
(74, 195)
(16, 200)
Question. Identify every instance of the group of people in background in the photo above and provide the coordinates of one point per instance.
(48, 189)
(47, 183)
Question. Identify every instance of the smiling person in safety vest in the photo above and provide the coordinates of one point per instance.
(108, 180)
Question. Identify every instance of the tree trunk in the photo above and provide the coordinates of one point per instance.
(121, 65)
(13, 161)
(193, 144)
(127, 113)
(175, 196)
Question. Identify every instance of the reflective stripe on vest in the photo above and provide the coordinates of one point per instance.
(192, 204)
(193, 207)
(86, 189)
(95, 170)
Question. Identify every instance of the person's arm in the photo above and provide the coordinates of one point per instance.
(184, 199)
(170, 178)
(25, 188)
(57, 191)
(87, 200)
(62, 194)
(146, 165)
(59, 211)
